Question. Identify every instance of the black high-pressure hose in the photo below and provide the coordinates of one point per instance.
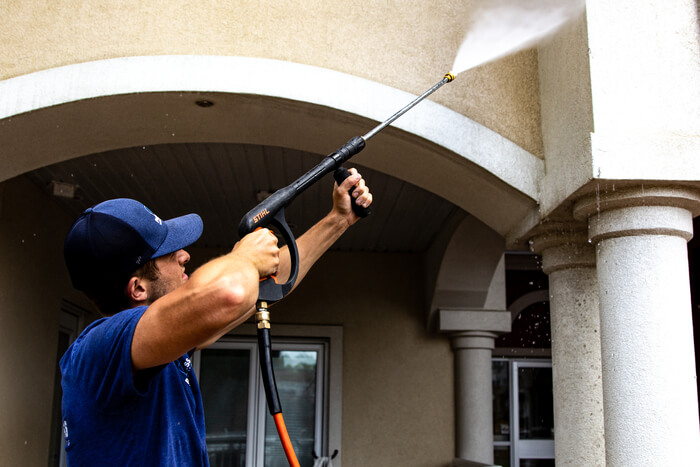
(270, 212)
(269, 383)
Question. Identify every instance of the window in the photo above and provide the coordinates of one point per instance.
(239, 428)
(523, 415)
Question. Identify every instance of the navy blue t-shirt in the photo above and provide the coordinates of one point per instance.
(115, 416)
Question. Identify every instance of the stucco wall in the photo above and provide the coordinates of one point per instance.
(407, 45)
(32, 283)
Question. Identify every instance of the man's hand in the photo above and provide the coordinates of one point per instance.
(342, 199)
(260, 248)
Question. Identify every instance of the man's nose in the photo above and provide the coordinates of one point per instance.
(183, 257)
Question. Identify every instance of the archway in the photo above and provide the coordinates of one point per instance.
(67, 112)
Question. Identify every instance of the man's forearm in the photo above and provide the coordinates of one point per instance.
(312, 245)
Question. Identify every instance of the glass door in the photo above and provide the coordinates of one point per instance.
(523, 413)
(534, 423)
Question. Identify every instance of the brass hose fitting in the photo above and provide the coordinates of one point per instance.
(262, 316)
(450, 77)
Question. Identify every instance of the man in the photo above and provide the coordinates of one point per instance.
(130, 396)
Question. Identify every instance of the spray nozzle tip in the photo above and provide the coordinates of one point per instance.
(450, 77)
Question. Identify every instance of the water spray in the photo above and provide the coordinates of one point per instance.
(270, 212)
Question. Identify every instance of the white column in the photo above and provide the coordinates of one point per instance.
(649, 382)
(569, 261)
(473, 335)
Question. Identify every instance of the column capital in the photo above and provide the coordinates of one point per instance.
(563, 245)
(643, 210)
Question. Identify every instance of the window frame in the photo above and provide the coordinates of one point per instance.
(71, 323)
(328, 341)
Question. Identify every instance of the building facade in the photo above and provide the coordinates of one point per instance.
(583, 150)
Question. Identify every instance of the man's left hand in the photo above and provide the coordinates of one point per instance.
(343, 197)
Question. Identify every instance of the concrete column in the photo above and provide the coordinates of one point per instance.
(648, 364)
(473, 335)
(569, 261)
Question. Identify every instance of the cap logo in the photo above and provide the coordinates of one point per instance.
(156, 218)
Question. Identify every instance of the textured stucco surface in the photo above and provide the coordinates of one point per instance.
(649, 381)
(620, 97)
(406, 45)
(576, 367)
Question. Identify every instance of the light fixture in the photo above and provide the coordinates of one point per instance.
(63, 189)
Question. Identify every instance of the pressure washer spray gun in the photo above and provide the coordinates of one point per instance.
(270, 212)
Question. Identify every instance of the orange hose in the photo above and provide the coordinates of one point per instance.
(286, 442)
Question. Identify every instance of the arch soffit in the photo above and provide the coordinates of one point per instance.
(66, 112)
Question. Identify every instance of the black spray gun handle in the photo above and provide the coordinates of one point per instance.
(270, 212)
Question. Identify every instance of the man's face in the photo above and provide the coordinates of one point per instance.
(171, 274)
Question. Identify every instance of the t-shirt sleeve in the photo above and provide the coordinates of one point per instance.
(101, 360)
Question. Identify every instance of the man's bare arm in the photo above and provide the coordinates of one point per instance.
(319, 238)
(218, 295)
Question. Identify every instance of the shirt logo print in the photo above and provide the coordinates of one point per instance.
(184, 367)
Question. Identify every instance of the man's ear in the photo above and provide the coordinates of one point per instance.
(136, 290)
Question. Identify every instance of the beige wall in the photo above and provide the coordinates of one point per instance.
(407, 45)
(33, 281)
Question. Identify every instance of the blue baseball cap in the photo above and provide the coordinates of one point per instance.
(111, 240)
